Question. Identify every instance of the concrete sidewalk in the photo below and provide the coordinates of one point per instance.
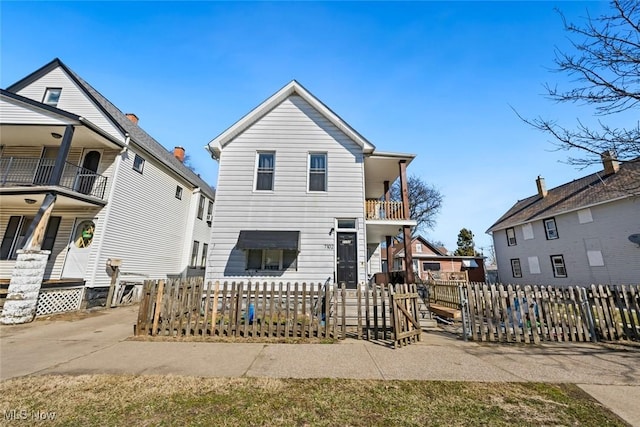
(99, 344)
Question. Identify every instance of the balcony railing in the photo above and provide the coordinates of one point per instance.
(376, 209)
(30, 171)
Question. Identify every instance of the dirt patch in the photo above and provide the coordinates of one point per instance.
(72, 316)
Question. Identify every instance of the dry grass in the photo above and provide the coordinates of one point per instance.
(102, 400)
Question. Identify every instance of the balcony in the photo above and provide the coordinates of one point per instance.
(35, 172)
(385, 219)
(380, 210)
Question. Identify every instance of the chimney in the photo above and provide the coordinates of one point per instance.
(542, 189)
(132, 117)
(178, 153)
(609, 162)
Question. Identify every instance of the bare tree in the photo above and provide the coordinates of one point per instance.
(425, 202)
(605, 67)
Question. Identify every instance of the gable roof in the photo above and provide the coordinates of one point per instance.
(70, 118)
(437, 251)
(126, 126)
(292, 88)
(590, 190)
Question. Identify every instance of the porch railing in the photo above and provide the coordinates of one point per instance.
(32, 171)
(376, 209)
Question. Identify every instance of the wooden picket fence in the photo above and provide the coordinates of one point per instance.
(268, 310)
(531, 314)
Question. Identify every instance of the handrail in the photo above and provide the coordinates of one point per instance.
(33, 171)
(377, 209)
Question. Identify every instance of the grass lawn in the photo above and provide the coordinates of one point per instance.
(100, 400)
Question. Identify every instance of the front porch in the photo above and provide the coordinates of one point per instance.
(386, 218)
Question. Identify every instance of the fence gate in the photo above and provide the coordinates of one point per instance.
(406, 326)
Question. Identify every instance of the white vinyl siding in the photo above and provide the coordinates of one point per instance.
(14, 112)
(148, 248)
(73, 99)
(292, 130)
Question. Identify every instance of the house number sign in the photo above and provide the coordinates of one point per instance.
(328, 245)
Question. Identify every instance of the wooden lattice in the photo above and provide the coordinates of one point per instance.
(59, 300)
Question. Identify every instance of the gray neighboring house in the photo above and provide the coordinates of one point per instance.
(120, 195)
(579, 233)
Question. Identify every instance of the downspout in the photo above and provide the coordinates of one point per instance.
(107, 212)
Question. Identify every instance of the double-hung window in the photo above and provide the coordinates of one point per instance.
(318, 172)
(210, 213)
(203, 260)
(557, 263)
(550, 228)
(200, 206)
(511, 236)
(138, 163)
(265, 171)
(194, 254)
(16, 232)
(516, 269)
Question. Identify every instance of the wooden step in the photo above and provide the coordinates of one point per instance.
(447, 312)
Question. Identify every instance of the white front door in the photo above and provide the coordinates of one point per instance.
(79, 248)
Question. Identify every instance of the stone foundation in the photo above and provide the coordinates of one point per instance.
(24, 287)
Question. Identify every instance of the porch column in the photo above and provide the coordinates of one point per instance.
(387, 240)
(28, 271)
(61, 159)
(406, 229)
(387, 199)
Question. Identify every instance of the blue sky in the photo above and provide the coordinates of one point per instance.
(437, 79)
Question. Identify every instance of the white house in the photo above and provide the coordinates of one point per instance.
(301, 196)
(586, 231)
(118, 193)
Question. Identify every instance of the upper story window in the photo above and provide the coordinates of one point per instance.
(138, 164)
(418, 247)
(318, 172)
(431, 266)
(557, 263)
(516, 269)
(200, 207)
(52, 96)
(178, 192)
(550, 228)
(265, 171)
(511, 236)
(210, 213)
